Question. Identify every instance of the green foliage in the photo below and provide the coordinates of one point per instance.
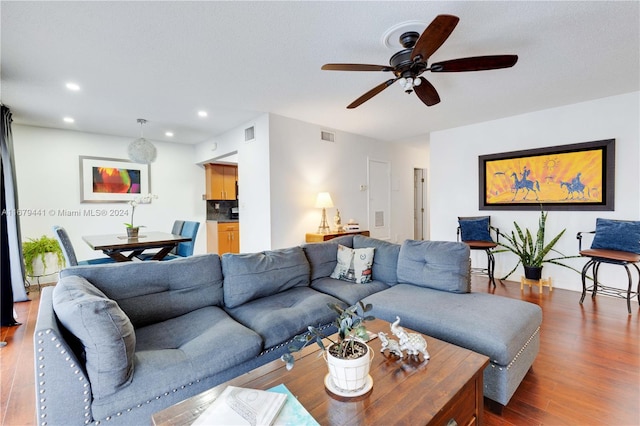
(34, 248)
(350, 324)
(530, 251)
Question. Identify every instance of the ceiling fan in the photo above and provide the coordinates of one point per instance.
(408, 64)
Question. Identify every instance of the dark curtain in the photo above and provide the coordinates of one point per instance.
(6, 296)
(12, 269)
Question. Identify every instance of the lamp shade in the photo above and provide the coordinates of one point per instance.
(324, 200)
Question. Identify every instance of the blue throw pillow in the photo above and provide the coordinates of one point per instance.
(475, 229)
(621, 235)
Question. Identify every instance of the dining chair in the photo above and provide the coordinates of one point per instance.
(69, 253)
(475, 231)
(615, 242)
(186, 229)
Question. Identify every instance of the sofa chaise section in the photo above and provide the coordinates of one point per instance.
(434, 298)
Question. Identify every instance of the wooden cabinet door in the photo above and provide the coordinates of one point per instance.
(229, 182)
(228, 238)
(235, 241)
(220, 181)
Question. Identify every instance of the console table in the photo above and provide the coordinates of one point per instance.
(318, 238)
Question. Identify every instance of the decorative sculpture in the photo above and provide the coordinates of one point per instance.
(390, 344)
(413, 343)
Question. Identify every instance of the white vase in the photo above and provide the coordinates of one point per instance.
(349, 374)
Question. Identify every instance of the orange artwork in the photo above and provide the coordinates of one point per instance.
(578, 176)
(568, 177)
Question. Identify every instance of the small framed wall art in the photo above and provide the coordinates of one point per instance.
(579, 176)
(111, 180)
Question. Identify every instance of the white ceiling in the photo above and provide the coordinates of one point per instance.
(164, 61)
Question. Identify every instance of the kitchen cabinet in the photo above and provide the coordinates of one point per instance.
(223, 237)
(221, 181)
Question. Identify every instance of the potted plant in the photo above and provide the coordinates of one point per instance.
(348, 357)
(532, 252)
(35, 253)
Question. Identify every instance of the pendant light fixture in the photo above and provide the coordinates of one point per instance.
(142, 150)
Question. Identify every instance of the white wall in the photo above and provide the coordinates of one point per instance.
(283, 169)
(302, 165)
(454, 174)
(253, 179)
(47, 169)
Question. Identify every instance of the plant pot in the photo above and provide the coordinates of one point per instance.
(533, 272)
(45, 273)
(349, 377)
(133, 232)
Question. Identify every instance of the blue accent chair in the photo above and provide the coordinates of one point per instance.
(69, 253)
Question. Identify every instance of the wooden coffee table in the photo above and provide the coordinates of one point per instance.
(405, 391)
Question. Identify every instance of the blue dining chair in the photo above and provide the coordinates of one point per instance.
(186, 229)
(69, 253)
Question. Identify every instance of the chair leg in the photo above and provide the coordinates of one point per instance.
(584, 280)
(491, 266)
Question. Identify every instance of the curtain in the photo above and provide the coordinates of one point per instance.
(13, 283)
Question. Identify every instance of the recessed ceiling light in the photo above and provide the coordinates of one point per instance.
(169, 134)
(202, 113)
(69, 120)
(73, 86)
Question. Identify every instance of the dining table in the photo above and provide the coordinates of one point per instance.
(122, 248)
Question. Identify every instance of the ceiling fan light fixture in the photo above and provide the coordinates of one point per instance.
(141, 150)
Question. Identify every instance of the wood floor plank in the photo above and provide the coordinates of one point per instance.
(587, 371)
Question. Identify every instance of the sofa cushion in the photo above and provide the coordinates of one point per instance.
(106, 334)
(621, 235)
(322, 258)
(254, 275)
(475, 229)
(150, 292)
(353, 265)
(279, 317)
(180, 351)
(348, 292)
(385, 262)
(492, 325)
(443, 265)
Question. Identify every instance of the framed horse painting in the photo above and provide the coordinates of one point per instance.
(569, 177)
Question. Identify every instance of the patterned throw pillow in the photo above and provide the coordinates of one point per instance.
(354, 265)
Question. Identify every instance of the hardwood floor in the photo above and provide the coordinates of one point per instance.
(587, 371)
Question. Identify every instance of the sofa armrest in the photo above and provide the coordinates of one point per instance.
(57, 368)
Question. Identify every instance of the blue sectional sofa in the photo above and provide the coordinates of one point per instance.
(116, 343)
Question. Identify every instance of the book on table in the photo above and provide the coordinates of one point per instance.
(276, 406)
(243, 406)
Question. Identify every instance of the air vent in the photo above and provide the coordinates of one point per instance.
(327, 136)
(249, 134)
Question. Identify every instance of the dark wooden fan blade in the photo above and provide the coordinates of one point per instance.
(477, 63)
(356, 67)
(371, 93)
(432, 38)
(427, 93)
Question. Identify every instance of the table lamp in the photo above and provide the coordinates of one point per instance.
(323, 201)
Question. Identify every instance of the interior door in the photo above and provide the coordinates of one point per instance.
(379, 207)
(419, 203)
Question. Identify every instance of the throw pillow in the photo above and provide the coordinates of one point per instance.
(104, 330)
(354, 265)
(475, 229)
(621, 235)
